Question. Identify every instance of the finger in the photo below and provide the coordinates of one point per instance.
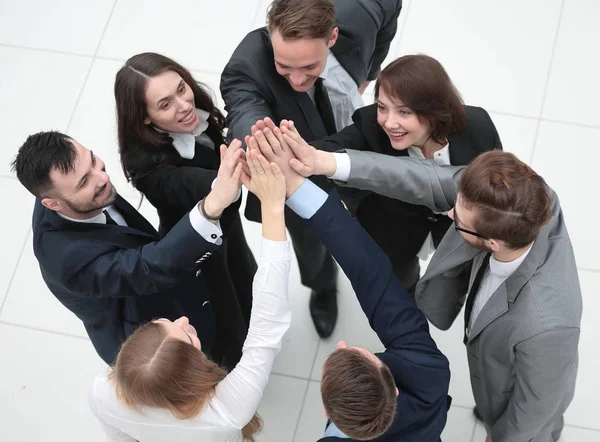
(252, 164)
(252, 143)
(237, 173)
(260, 124)
(273, 141)
(279, 135)
(269, 123)
(264, 164)
(223, 151)
(276, 171)
(292, 144)
(247, 141)
(235, 144)
(253, 129)
(245, 179)
(263, 144)
(290, 133)
(297, 166)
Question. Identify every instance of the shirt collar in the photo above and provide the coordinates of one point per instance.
(185, 143)
(98, 219)
(505, 269)
(330, 64)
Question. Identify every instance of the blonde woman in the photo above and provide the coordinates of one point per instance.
(163, 388)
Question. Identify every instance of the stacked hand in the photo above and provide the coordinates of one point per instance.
(227, 185)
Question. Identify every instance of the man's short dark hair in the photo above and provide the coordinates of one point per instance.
(297, 19)
(41, 153)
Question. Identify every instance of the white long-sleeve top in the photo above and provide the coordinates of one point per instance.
(237, 397)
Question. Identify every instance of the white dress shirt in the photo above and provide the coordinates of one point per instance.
(494, 276)
(237, 396)
(342, 91)
(185, 143)
(441, 157)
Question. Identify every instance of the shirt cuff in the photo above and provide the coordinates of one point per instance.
(307, 200)
(211, 232)
(237, 196)
(342, 170)
(275, 250)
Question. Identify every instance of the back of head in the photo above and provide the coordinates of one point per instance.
(130, 97)
(158, 371)
(511, 200)
(41, 153)
(298, 19)
(421, 83)
(358, 395)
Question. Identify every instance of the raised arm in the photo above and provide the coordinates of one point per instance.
(89, 271)
(240, 393)
(387, 12)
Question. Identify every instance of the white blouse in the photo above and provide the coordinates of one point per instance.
(237, 397)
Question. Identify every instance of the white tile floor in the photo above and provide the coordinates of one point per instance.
(532, 64)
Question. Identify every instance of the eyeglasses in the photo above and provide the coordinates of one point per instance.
(470, 232)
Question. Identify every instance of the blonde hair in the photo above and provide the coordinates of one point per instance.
(157, 371)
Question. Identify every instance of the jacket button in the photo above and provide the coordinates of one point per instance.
(433, 219)
(213, 236)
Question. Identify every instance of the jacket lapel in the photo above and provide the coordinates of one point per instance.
(133, 218)
(461, 151)
(349, 55)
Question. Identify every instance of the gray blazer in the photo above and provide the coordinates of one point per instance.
(522, 350)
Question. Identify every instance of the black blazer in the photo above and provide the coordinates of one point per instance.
(115, 278)
(174, 185)
(398, 227)
(252, 89)
(420, 370)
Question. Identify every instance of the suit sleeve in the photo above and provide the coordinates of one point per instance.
(98, 269)
(169, 185)
(393, 315)
(390, 10)
(245, 102)
(541, 364)
(349, 137)
(414, 181)
(496, 142)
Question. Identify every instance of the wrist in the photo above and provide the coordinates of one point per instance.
(293, 183)
(212, 206)
(326, 163)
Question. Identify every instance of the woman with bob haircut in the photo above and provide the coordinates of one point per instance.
(169, 133)
(163, 388)
(418, 113)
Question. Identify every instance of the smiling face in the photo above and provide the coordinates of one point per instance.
(85, 190)
(301, 61)
(181, 329)
(403, 127)
(170, 103)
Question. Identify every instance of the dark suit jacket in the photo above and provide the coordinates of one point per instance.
(115, 278)
(398, 227)
(252, 89)
(174, 185)
(421, 371)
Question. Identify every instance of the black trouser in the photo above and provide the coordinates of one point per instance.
(408, 272)
(318, 270)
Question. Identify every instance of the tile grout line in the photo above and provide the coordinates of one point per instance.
(14, 272)
(43, 330)
(52, 51)
(306, 391)
(112, 10)
(258, 10)
(474, 431)
(399, 42)
(548, 75)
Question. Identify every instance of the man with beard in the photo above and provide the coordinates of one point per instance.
(102, 259)
(508, 260)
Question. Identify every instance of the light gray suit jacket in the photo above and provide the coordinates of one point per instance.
(522, 349)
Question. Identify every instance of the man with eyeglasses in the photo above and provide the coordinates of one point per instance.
(509, 260)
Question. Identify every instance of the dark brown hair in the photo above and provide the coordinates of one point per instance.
(157, 371)
(421, 83)
(359, 396)
(130, 97)
(510, 200)
(296, 19)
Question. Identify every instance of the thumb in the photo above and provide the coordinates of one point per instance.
(299, 167)
(223, 151)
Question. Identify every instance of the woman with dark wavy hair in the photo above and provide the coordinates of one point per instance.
(163, 388)
(169, 134)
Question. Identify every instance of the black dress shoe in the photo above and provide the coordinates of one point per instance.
(477, 415)
(324, 311)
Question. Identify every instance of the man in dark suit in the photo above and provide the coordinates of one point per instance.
(402, 393)
(102, 259)
(310, 65)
